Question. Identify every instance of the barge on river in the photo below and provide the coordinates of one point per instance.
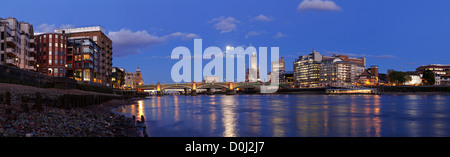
(352, 91)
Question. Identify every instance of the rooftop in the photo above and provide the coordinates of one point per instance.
(81, 29)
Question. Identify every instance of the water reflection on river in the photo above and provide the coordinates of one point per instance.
(294, 115)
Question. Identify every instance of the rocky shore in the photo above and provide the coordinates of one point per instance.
(22, 116)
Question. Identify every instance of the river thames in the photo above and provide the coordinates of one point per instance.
(294, 115)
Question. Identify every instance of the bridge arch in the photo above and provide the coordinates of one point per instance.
(247, 86)
(176, 87)
(212, 86)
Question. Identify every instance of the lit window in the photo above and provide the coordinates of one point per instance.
(50, 36)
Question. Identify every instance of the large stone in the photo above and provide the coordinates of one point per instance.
(38, 102)
(12, 133)
(8, 98)
(25, 108)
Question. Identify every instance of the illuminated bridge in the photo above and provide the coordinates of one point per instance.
(229, 87)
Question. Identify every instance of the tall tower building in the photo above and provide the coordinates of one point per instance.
(139, 81)
(253, 70)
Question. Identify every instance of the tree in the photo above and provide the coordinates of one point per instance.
(428, 77)
(398, 77)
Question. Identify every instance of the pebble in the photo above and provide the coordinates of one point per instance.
(53, 122)
(29, 135)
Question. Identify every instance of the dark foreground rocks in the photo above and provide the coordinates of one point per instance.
(92, 121)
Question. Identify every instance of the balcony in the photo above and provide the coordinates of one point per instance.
(11, 52)
(10, 61)
(11, 41)
(31, 58)
(32, 42)
(30, 67)
(32, 50)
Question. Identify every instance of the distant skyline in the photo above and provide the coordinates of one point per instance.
(399, 35)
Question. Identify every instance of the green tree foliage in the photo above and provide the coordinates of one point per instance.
(428, 77)
(398, 77)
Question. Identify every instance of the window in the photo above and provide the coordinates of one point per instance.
(56, 61)
(49, 70)
(86, 50)
(95, 38)
(56, 36)
(2, 35)
(49, 61)
(56, 53)
(45, 36)
(87, 74)
(56, 70)
(50, 53)
(50, 36)
(49, 44)
(69, 65)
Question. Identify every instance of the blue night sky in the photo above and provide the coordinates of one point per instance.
(393, 34)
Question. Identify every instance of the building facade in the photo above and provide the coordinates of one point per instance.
(118, 78)
(130, 81)
(441, 72)
(104, 61)
(369, 77)
(82, 60)
(306, 70)
(17, 44)
(316, 70)
(51, 50)
(338, 72)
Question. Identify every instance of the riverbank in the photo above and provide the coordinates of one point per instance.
(21, 118)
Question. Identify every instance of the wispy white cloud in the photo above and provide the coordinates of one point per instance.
(49, 28)
(254, 33)
(326, 5)
(361, 55)
(127, 42)
(279, 35)
(262, 18)
(225, 25)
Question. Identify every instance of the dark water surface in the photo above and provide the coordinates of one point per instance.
(295, 115)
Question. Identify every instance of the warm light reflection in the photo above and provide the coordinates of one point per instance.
(141, 108)
(158, 102)
(177, 116)
(229, 118)
(277, 119)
